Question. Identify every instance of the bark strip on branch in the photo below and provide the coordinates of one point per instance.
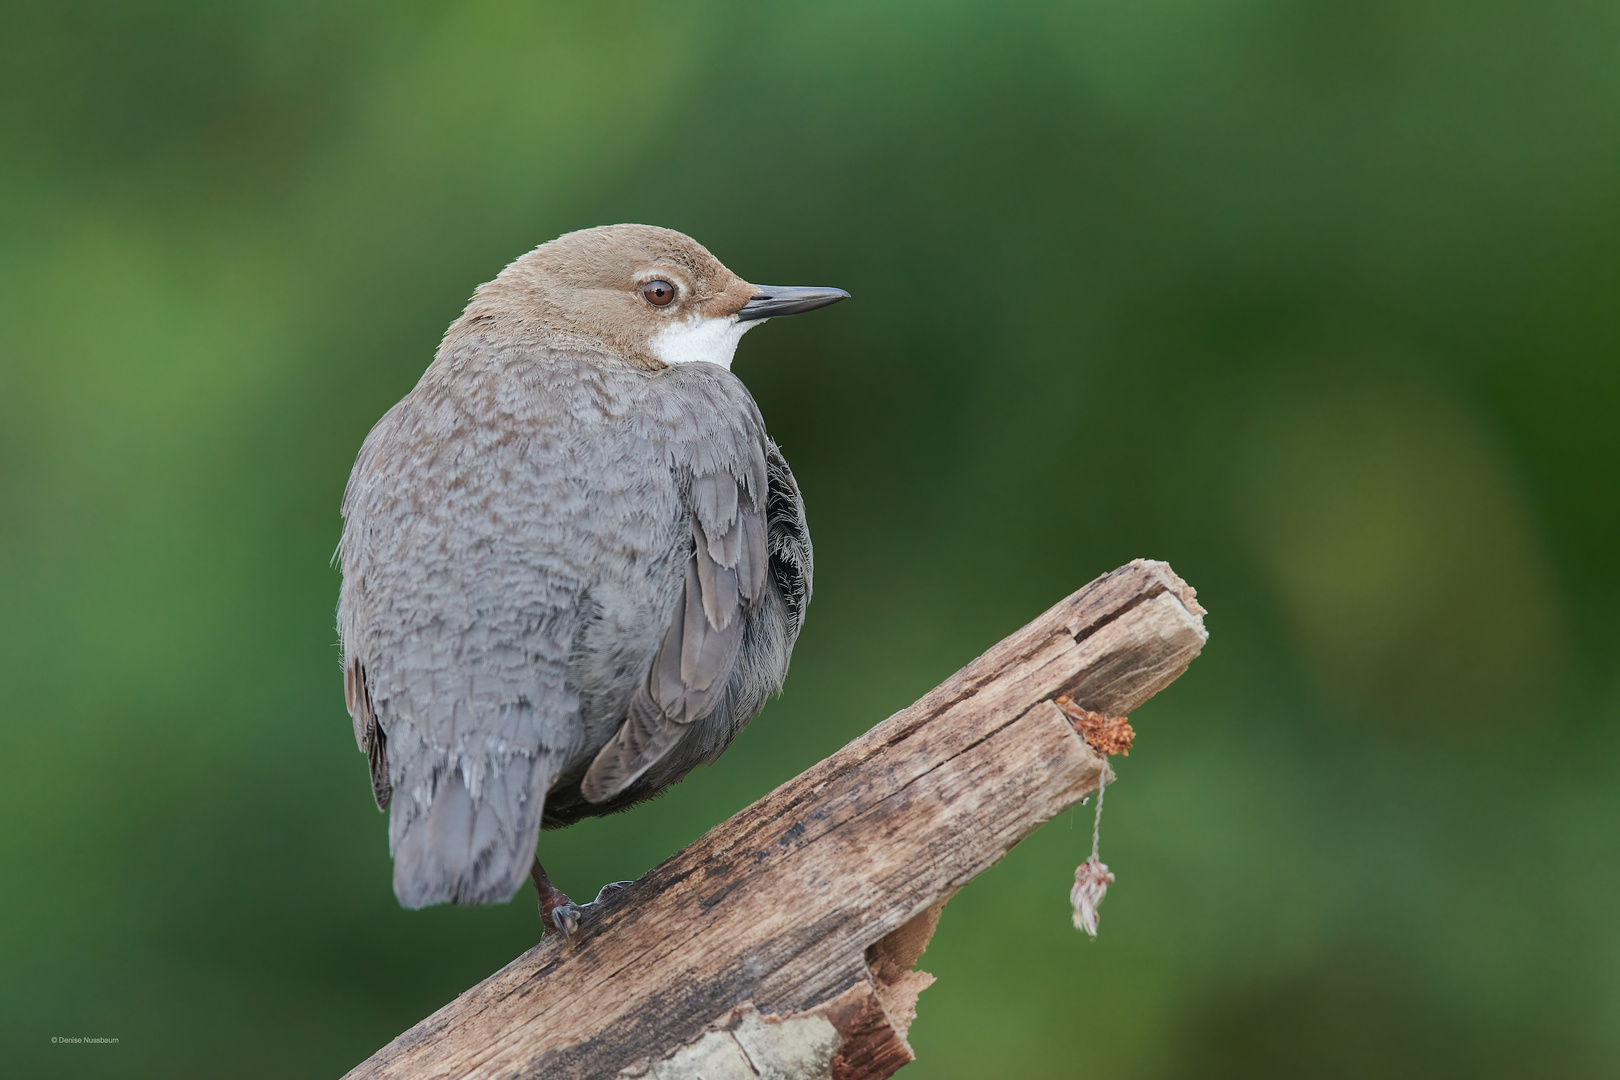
(781, 943)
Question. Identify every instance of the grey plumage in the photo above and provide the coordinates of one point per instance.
(571, 571)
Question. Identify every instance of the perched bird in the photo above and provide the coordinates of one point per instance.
(574, 565)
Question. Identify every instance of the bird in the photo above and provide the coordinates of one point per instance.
(574, 565)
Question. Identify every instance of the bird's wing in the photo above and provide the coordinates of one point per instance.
(367, 731)
(728, 480)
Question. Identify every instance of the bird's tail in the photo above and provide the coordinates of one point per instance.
(462, 849)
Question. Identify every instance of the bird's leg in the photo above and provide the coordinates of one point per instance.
(557, 912)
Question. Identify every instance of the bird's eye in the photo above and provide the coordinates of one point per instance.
(658, 293)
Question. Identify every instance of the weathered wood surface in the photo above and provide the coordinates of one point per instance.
(781, 943)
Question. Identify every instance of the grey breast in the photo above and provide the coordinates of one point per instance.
(565, 584)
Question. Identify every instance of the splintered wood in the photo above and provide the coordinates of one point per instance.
(782, 943)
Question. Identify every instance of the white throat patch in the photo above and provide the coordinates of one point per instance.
(712, 340)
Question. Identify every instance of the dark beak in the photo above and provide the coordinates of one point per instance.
(772, 301)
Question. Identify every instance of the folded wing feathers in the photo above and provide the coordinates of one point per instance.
(707, 650)
(382, 789)
(357, 700)
(727, 572)
(368, 733)
(716, 576)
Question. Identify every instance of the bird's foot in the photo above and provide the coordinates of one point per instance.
(558, 914)
(561, 917)
(564, 915)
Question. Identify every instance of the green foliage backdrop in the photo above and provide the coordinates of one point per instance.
(1316, 301)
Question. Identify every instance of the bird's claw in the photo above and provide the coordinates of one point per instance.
(610, 887)
(565, 919)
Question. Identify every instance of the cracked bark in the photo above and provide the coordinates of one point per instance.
(782, 943)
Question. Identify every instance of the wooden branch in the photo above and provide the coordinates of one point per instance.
(781, 944)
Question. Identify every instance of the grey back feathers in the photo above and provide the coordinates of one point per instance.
(569, 577)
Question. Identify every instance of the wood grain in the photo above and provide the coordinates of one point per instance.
(815, 901)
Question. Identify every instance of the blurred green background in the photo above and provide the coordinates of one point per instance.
(1316, 301)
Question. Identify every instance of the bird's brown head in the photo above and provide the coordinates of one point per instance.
(651, 297)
